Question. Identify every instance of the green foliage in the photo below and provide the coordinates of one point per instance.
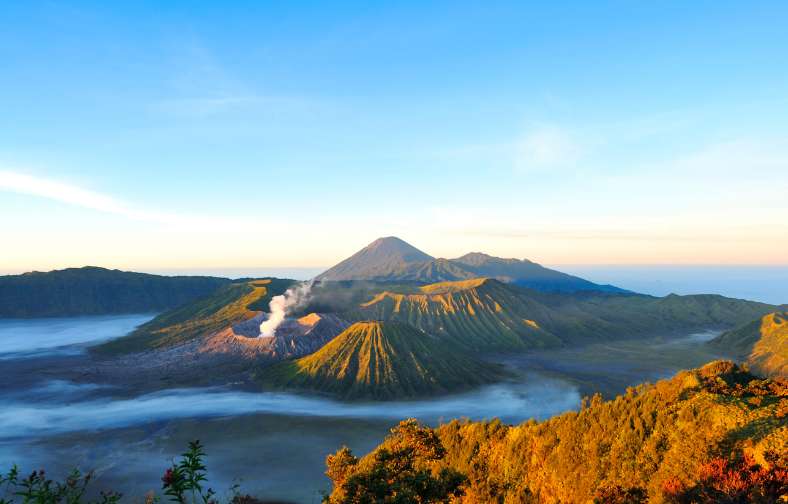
(183, 482)
(97, 291)
(396, 473)
(38, 489)
(382, 360)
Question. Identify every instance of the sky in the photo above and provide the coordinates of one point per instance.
(203, 135)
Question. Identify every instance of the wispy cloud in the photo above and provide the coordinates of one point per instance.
(544, 147)
(64, 192)
(206, 106)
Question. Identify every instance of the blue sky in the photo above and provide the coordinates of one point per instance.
(150, 135)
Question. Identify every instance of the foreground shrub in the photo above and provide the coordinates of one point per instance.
(399, 472)
(183, 483)
(37, 488)
(732, 482)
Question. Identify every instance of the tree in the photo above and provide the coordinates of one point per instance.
(400, 471)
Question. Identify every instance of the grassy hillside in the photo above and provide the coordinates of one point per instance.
(382, 360)
(97, 291)
(485, 314)
(698, 437)
(633, 315)
(229, 305)
(478, 313)
(762, 344)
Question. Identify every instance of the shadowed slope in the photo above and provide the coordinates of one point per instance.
(97, 291)
(380, 260)
(526, 273)
(382, 360)
(762, 344)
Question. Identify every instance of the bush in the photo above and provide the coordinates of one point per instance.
(183, 483)
(37, 488)
(732, 482)
(400, 471)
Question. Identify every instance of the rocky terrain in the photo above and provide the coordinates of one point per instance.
(220, 357)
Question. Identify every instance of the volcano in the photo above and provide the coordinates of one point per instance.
(391, 259)
(294, 337)
(383, 361)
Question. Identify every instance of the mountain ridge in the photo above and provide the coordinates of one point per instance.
(762, 344)
(232, 304)
(490, 315)
(391, 259)
(92, 290)
(382, 361)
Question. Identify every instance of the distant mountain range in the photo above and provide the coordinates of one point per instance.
(391, 259)
(98, 291)
(389, 322)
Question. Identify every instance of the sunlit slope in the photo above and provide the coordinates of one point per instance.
(652, 440)
(762, 344)
(634, 315)
(485, 314)
(479, 313)
(382, 360)
(227, 306)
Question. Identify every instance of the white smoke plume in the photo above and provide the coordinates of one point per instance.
(280, 306)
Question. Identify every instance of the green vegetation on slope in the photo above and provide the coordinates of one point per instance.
(635, 315)
(98, 291)
(382, 360)
(762, 344)
(678, 440)
(479, 314)
(485, 314)
(229, 305)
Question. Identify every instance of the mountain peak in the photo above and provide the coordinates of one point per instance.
(391, 259)
(480, 258)
(398, 246)
(379, 259)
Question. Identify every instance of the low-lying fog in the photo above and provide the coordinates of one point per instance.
(275, 442)
(67, 336)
